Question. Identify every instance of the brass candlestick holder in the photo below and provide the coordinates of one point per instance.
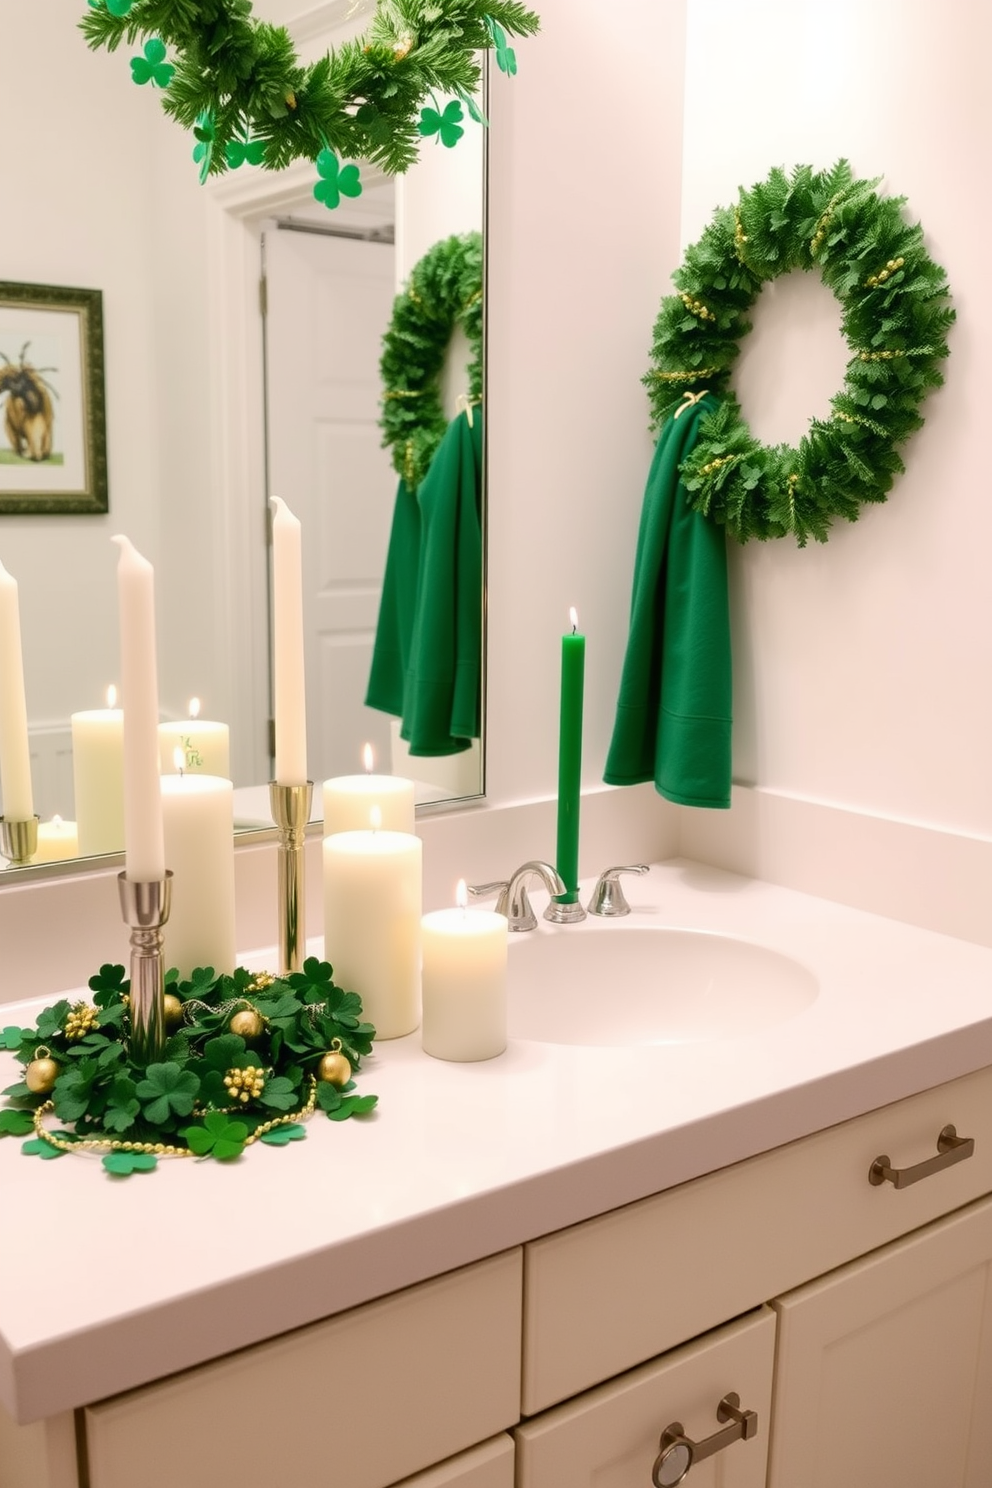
(18, 839)
(291, 811)
(145, 907)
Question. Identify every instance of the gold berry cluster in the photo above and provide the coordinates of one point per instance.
(874, 280)
(80, 1020)
(696, 307)
(712, 465)
(245, 1084)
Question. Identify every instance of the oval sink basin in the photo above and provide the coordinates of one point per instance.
(638, 984)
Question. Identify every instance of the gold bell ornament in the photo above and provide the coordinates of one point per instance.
(248, 1022)
(42, 1072)
(173, 1010)
(334, 1067)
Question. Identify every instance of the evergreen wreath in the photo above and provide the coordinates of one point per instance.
(444, 290)
(238, 84)
(895, 321)
(248, 1058)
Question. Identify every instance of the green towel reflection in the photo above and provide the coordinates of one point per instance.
(426, 662)
(673, 721)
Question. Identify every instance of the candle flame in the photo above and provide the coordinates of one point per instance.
(375, 818)
(573, 619)
(57, 822)
(179, 758)
(194, 707)
(368, 758)
(461, 895)
(111, 696)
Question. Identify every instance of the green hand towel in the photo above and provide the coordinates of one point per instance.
(427, 653)
(673, 721)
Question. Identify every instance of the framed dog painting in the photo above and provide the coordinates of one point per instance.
(53, 436)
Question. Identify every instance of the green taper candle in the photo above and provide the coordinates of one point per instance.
(573, 660)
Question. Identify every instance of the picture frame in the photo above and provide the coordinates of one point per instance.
(53, 433)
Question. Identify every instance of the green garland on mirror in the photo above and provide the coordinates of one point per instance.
(248, 1058)
(444, 290)
(238, 83)
(895, 321)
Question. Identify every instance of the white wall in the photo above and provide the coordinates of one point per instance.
(863, 668)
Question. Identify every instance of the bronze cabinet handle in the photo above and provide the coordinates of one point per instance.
(951, 1149)
(677, 1452)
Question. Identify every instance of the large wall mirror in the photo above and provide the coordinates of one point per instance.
(211, 406)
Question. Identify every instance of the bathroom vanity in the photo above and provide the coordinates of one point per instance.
(525, 1271)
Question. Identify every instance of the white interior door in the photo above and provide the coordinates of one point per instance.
(329, 301)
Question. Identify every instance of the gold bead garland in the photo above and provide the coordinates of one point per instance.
(159, 1149)
(874, 280)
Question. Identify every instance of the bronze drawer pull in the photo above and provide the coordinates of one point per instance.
(678, 1452)
(951, 1149)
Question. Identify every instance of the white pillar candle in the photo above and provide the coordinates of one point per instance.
(198, 819)
(57, 839)
(205, 743)
(144, 845)
(464, 982)
(348, 799)
(98, 777)
(287, 646)
(372, 909)
(15, 752)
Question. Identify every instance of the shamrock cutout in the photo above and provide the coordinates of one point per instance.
(337, 180)
(116, 7)
(40, 1148)
(281, 1136)
(506, 59)
(218, 1137)
(447, 126)
(203, 150)
(10, 1037)
(16, 1123)
(123, 1164)
(250, 150)
(152, 67)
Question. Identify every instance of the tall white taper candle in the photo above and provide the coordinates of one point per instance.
(15, 755)
(144, 841)
(287, 646)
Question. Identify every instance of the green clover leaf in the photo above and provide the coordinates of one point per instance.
(337, 180)
(240, 151)
(279, 1093)
(123, 1164)
(281, 1136)
(122, 1106)
(218, 1137)
(109, 984)
(447, 126)
(16, 1123)
(74, 1089)
(52, 1021)
(167, 1089)
(152, 67)
(353, 1105)
(40, 1148)
(506, 59)
(10, 1037)
(203, 150)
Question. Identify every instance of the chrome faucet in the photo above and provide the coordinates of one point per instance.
(608, 897)
(513, 900)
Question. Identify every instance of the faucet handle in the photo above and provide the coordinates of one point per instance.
(519, 914)
(608, 897)
(500, 887)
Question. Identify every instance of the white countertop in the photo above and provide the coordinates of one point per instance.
(106, 1284)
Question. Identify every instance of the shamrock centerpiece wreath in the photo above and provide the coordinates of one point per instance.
(237, 83)
(895, 321)
(248, 1058)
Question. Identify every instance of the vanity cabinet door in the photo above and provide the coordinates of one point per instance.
(884, 1372)
(611, 1435)
(489, 1465)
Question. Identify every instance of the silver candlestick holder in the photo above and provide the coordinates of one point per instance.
(145, 907)
(18, 839)
(291, 811)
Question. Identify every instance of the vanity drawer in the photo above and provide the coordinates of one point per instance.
(612, 1434)
(619, 1289)
(366, 1398)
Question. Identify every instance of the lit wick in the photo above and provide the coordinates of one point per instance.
(367, 757)
(461, 896)
(111, 696)
(194, 707)
(574, 619)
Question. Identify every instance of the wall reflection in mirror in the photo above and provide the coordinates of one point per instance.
(212, 408)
